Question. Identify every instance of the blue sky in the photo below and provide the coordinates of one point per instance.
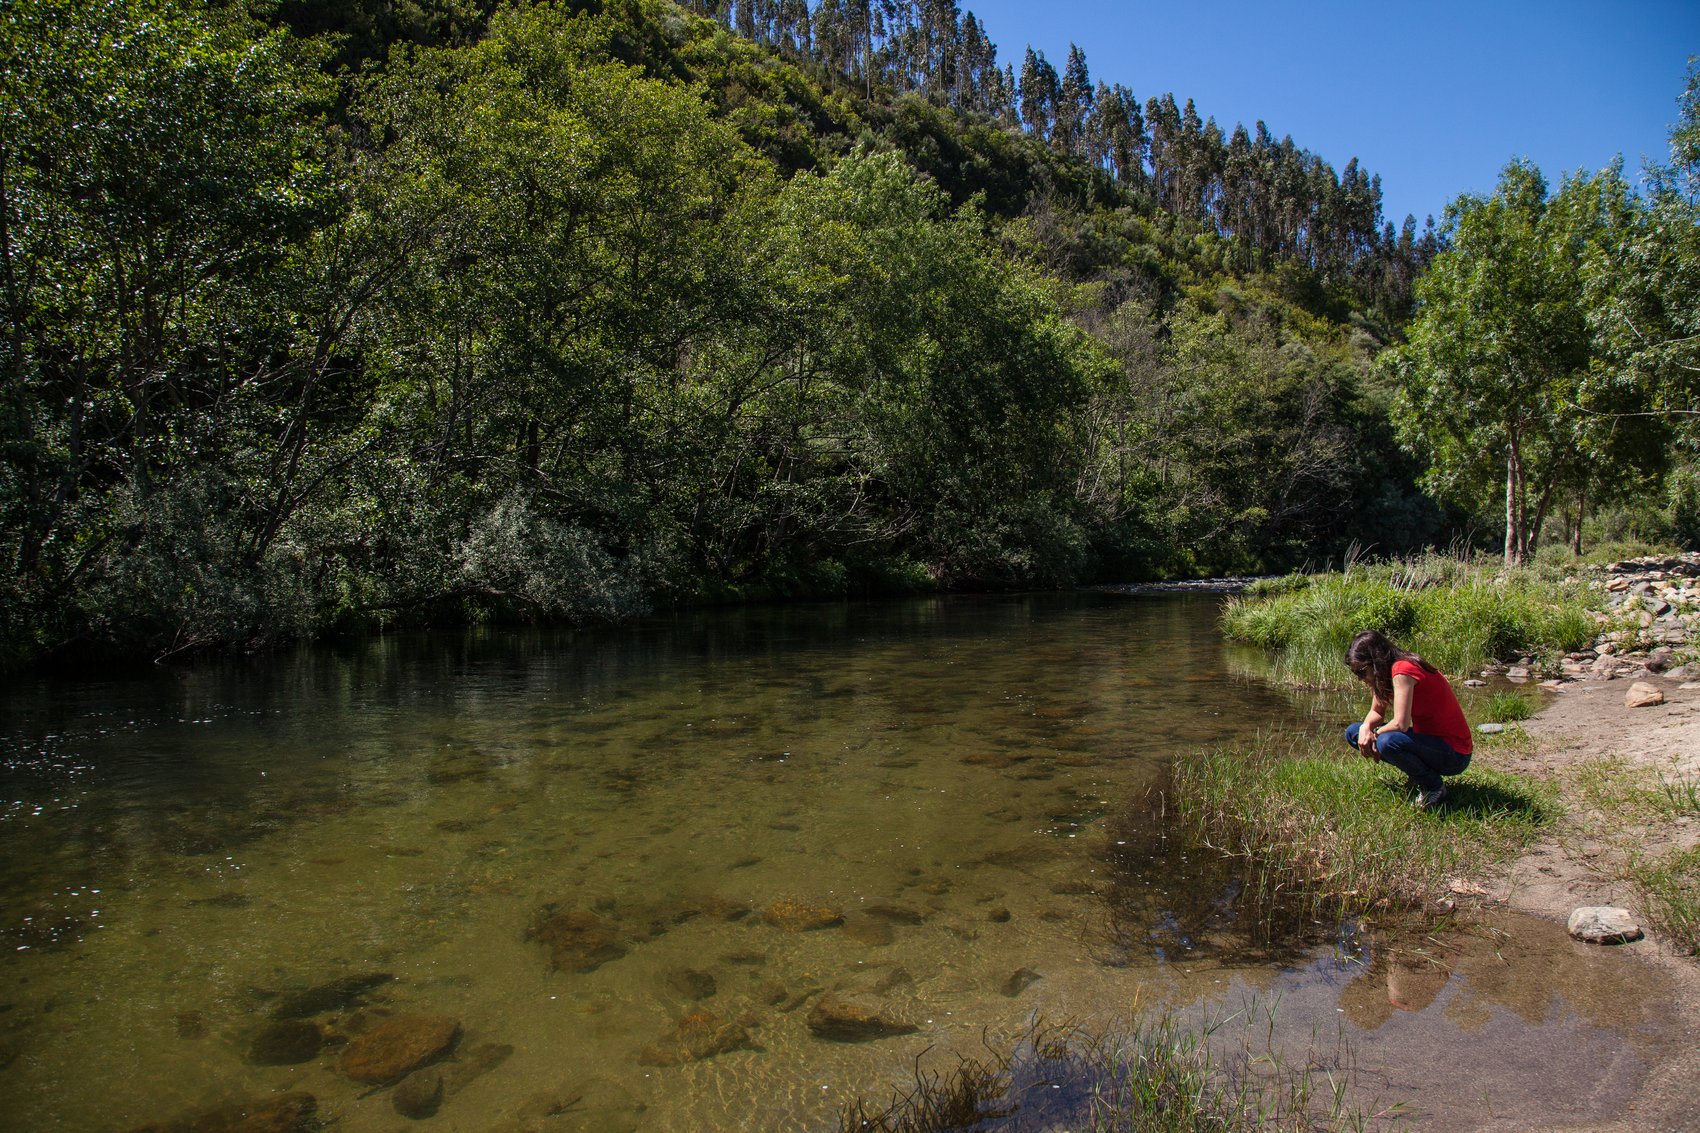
(1435, 97)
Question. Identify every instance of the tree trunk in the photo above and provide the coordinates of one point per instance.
(1576, 536)
(1553, 475)
(1515, 541)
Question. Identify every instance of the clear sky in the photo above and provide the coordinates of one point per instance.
(1434, 96)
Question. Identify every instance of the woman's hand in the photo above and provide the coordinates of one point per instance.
(1366, 741)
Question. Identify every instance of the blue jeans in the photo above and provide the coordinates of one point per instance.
(1423, 758)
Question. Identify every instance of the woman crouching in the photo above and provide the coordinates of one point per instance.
(1414, 721)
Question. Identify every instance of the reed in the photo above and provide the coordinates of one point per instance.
(1157, 1074)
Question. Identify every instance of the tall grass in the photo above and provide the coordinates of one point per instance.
(1458, 613)
(1319, 826)
(1669, 888)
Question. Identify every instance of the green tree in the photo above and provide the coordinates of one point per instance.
(1491, 377)
(1643, 298)
(161, 174)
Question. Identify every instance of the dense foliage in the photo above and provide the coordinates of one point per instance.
(550, 312)
(334, 315)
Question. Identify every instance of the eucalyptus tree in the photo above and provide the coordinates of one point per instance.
(1074, 104)
(1039, 94)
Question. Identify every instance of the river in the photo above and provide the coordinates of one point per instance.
(626, 867)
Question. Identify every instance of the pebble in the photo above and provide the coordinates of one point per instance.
(1490, 729)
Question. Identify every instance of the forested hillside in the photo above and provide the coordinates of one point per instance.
(324, 316)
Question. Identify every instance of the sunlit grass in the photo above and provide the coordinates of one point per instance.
(1624, 791)
(1459, 614)
(1669, 888)
(1318, 824)
(1625, 798)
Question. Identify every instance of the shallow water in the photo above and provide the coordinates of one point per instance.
(958, 778)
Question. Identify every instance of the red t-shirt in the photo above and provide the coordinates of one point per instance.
(1434, 708)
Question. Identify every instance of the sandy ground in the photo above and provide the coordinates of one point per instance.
(1579, 863)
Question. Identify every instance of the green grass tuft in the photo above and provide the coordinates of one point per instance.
(1669, 887)
(1509, 707)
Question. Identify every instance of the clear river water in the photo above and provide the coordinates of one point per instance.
(631, 864)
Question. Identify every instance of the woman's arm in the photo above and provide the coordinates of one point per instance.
(1404, 692)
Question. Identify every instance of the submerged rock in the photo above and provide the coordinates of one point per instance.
(896, 914)
(699, 1035)
(470, 1065)
(1602, 924)
(795, 916)
(869, 931)
(420, 1094)
(852, 1019)
(397, 1047)
(1019, 981)
(287, 1113)
(578, 941)
(596, 1106)
(692, 983)
(287, 1042)
(336, 995)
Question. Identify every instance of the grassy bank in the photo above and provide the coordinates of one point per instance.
(1321, 826)
(1459, 613)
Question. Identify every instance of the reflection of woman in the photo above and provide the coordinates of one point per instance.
(1414, 721)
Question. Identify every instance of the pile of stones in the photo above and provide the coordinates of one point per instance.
(1650, 624)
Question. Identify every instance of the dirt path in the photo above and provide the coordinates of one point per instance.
(1580, 863)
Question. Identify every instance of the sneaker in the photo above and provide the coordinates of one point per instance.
(1428, 800)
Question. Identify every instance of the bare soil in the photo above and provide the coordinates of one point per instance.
(1581, 861)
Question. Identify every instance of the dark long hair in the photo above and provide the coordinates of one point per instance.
(1371, 656)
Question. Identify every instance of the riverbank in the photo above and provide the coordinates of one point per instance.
(1598, 752)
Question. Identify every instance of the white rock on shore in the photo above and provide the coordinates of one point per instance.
(1603, 924)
